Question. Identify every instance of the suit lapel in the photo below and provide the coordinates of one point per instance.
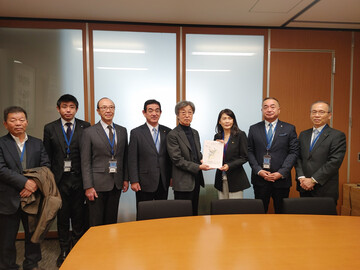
(278, 130)
(12, 148)
(103, 137)
(183, 137)
(307, 139)
(162, 137)
(324, 134)
(148, 138)
(262, 132)
(60, 135)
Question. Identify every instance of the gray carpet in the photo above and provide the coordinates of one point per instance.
(50, 251)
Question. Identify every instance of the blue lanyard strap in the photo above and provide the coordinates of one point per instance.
(316, 138)
(269, 138)
(68, 142)
(22, 153)
(113, 140)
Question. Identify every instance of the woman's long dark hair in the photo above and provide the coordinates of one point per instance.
(234, 129)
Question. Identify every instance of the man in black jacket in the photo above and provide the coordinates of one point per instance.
(62, 143)
(18, 151)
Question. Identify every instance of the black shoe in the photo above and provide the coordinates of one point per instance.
(61, 258)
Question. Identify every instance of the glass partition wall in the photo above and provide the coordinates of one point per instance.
(37, 66)
(224, 71)
(131, 64)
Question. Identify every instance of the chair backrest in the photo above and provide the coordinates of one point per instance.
(164, 209)
(237, 206)
(310, 205)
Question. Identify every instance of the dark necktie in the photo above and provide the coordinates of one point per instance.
(111, 134)
(68, 131)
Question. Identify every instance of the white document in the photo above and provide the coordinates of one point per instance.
(213, 154)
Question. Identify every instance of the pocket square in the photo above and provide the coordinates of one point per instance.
(282, 134)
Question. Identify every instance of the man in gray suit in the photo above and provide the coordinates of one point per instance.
(104, 152)
(149, 162)
(183, 144)
(322, 150)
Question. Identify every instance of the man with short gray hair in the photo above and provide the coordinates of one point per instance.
(322, 150)
(183, 144)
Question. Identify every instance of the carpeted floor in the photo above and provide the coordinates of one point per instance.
(50, 251)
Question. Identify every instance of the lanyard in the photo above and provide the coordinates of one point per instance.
(269, 139)
(113, 141)
(66, 139)
(22, 153)
(316, 138)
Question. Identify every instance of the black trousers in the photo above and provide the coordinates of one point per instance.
(159, 194)
(9, 226)
(277, 194)
(193, 196)
(73, 209)
(104, 209)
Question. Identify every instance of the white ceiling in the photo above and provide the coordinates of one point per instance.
(263, 13)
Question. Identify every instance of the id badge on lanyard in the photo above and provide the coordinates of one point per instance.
(113, 166)
(267, 161)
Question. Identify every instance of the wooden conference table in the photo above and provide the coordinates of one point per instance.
(222, 242)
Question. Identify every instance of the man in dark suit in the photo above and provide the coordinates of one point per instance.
(149, 162)
(272, 150)
(18, 151)
(322, 150)
(104, 167)
(183, 144)
(62, 143)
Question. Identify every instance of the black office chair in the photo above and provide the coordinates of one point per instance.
(310, 205)
(164, 209)
(237, 206)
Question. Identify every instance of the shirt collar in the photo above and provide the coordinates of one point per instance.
(319, 128)
(17, 140)
(104, 125)
(151, 127)
(63, 122)
(274, 123)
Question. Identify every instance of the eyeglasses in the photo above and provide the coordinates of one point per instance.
(318, 112)
(105, 108)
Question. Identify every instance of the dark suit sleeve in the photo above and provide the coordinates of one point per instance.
(133, 158)
(251, 152)
(44, 159)
(335, 158)
(243, 152)
(293, 153)
(298, 166)
(85, 151)
(7, 175)
(126, 153)
(47, 142)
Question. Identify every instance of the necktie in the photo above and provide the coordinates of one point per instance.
(270, 134)
(111, 134)
(156, 139)
(316, 132)
(68, 130)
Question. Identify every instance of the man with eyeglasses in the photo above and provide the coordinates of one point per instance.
(104, 150)
(322, 150)
(62, 143)
(149, 162)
